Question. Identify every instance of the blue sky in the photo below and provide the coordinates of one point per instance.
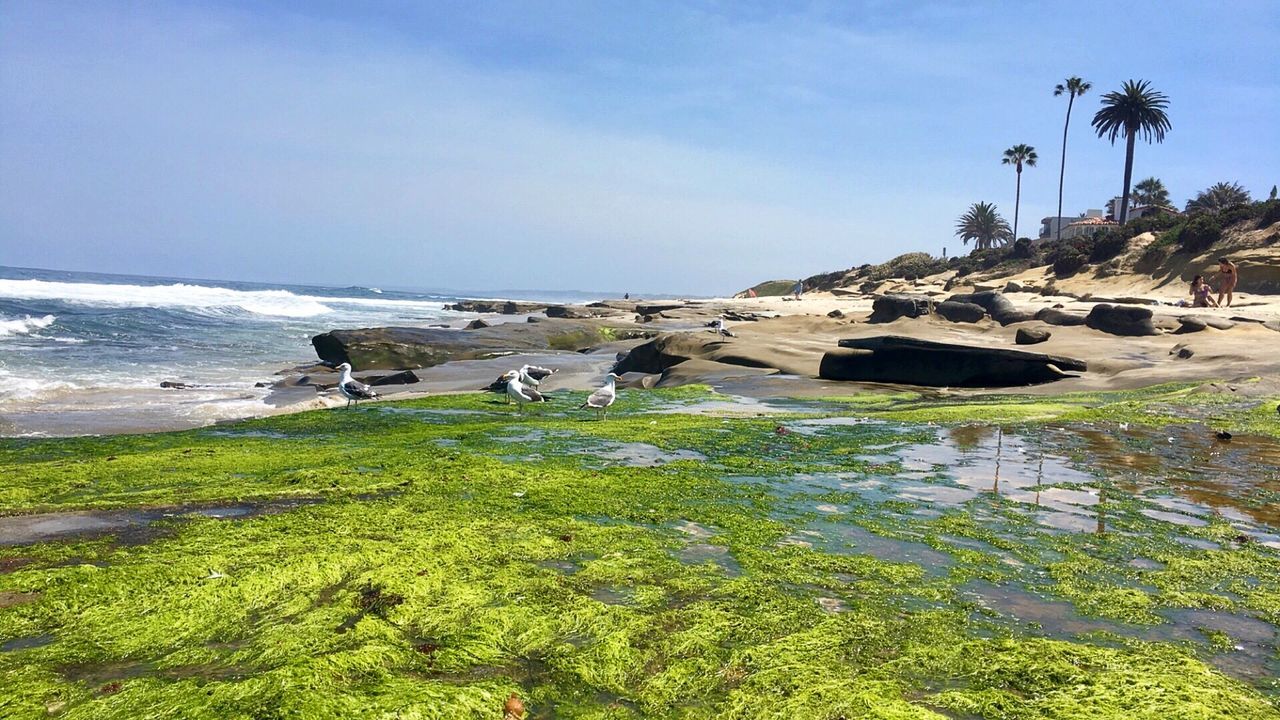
(671, 146)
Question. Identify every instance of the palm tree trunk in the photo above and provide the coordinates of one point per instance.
(1062, 169)
(1017, 202)
(1128, 176)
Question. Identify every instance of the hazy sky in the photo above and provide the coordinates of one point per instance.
(667, 146)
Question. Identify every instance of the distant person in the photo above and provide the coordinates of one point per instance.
(1201, 293)
(1227, 277)
(626, 296)
(798, 289)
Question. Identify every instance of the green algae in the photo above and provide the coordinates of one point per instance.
(434, 581)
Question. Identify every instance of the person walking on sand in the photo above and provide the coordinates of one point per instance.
(1227, 277)
(798, 289)
(1201, 293)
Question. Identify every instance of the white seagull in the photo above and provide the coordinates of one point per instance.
(532, 375)
(601, 399)
(720, 329)
(353, 389)
(517, 391)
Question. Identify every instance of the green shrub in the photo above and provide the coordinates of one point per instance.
(1269, 214)
(1200, 233)
(917, 264)
(1107, 244)
(1154, 222)
(1022, 249)
(1068, 262)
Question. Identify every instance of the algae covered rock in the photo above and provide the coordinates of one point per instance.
(394, 348)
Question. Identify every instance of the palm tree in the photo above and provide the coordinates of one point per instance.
(1017, 156)
(984, 226)
(1136, 109)
(1151, 192)
(1218, 197)
(1073, 88)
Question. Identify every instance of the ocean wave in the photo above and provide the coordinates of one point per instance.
(212, 299)
(26, 325)
(179, 295)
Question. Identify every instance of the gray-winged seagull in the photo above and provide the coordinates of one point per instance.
(601, 399)
(517, 391)
(353, 389)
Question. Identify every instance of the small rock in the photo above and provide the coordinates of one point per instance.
(835, 314)
(174, 385)
(1182, 351)
(476, 324)
(1012, 286)
(1031, 336)
(1223, 435)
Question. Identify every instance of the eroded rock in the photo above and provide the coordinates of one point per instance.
(895, 359)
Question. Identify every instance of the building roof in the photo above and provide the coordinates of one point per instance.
(1093, 221)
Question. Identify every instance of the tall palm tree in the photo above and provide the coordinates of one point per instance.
(1073, 88)
(1135, 110)
(1151, 192)
(1218, 197)
(984, 226)
(1017, 156)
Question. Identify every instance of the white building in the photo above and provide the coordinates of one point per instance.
(1049, 226)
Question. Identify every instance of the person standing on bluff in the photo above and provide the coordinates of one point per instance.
(1227, 277)
(798, 289)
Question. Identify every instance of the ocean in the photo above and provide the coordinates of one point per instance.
(85, 353)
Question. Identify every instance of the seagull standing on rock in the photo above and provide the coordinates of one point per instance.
(720, 329)
(353, 389)
(601, 399)
(517, 391)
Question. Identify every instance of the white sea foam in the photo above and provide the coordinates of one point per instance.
(279, 303)
(25, 325)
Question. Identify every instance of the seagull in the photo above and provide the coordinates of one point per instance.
(720, 329)
(532, 375)
(354, 390)
(517, 391)
(601, 399)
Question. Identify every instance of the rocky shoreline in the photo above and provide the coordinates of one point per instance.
(924, 333)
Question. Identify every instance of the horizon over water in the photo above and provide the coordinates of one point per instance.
(85, 353)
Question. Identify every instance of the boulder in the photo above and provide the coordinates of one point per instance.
(477, 324)
(496, 307)
(658, 308)
(668, 350)
(404, 377)
(622, 306)
(1126, 320)
(1196, 323)
(1031, 336)
(960, 311)
(1051, 316)
(895, 359)
(1012, 287)
(394, 348)
(576, 312)
(996, 305)
(888, 308)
